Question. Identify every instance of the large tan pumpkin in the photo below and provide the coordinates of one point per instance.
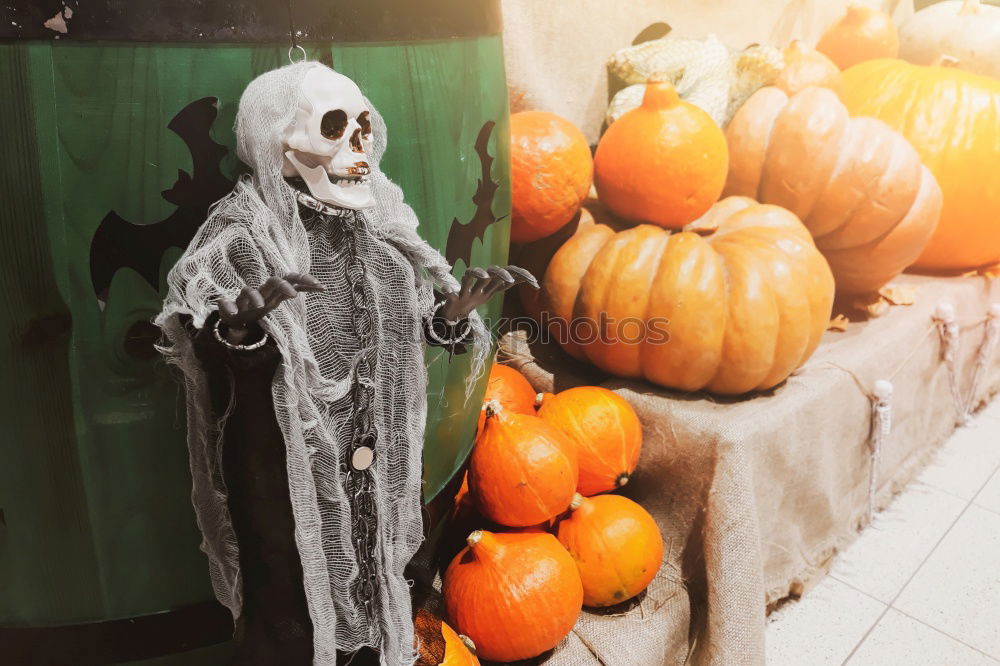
(963, 29)
(858, 186)
(952, 118)
(742, 296)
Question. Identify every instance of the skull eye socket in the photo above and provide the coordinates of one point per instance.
(333, 124)
(366, 125)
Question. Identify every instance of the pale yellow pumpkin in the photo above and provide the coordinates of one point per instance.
(966, 30)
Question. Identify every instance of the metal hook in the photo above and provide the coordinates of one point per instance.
(305, 56)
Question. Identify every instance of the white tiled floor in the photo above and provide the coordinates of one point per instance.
(921, 586)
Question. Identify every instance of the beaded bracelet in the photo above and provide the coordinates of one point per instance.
(221, 338)
(432, 334)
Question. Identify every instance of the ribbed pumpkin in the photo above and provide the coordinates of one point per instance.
(508, 387)
(515, 595)
(616, 544)
(664, 162)
(522, 471)
(857, 185)
(606, 430)
(806, 67)
(952, 118)
(864, 33)
(551, 172)
(439, 645)
(735, 303)
(964, 29)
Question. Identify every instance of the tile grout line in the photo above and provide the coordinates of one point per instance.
(891, 604)
(945, 633)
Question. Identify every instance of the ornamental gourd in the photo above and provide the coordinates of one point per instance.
(864, 33)
(616, 544)
(963, 29)
(605, 429)
(516, 595)
(522, 471)
(858, 186)
(664, 162)
(734, 303)
(952, 119)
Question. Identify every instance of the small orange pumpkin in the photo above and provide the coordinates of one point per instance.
(806, 67)
(864, 33)
(551, 172)
(606, 430)
(664, 162)
(508, 387)
(439, 645)
(522, 471)
(515, 595)
(616, 544)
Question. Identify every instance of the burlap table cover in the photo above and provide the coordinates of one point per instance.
(755, 496)
(556, 51)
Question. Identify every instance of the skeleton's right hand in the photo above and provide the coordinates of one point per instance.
(252, 305)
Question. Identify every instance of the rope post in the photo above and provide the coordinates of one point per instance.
(991, 334)
(944, 317)
(881, 398)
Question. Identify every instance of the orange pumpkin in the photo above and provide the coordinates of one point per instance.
(508, 387)
(857, 185)
(522, 471)
(515, 595)
(616, 544)
(952, 119)
(864, 33)
(664, 162)
(734, 303)
(551, 173)
(439, 645)
(804, 68)
(606, 431)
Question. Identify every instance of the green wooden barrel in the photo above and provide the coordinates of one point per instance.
(117, 137)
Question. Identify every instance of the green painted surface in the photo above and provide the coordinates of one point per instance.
(95, 486)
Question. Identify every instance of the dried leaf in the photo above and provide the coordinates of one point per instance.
(899, 295)
(838, 323)
(874, 306)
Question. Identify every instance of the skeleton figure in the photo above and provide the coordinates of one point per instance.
(298, 316)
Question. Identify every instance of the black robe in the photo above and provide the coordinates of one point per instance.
(274, 625)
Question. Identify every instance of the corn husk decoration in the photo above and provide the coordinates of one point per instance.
(705, 72)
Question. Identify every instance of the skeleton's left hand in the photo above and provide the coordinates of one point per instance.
(479, 286)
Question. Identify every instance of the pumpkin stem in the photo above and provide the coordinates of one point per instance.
(539, 397)
(482, 543)
(945, 60)
(970, 8)
(622, 480)
(470, 645)
(493, 407)
(660, 95)
(575, 503)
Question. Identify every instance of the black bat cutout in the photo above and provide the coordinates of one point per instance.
(118, 243)
(461, 236)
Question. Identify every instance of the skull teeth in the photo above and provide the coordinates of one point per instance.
(349, 180)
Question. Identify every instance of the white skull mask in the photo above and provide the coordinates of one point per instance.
(326, 144)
